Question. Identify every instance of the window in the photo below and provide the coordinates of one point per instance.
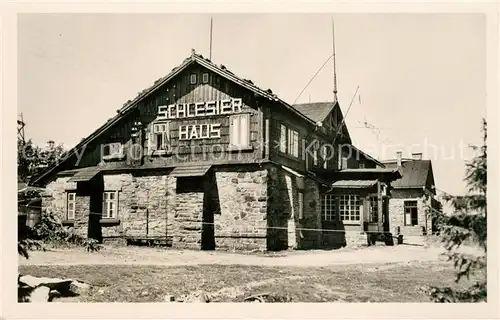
(343, 162)
(110, 204)
(324, 156)
(293, 143)
(160, 137)
(349, 207)
(329, 207)
(192, 78)
(283, 138)
(301, 205)
(239, 130)
(205, 78)
(112, 150)
(411, 213)
(361, 165)
(315, 157)
(289, 141)
(70, 205)
(373, 209)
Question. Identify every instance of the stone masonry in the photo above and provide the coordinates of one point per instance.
(240, 222)
(396, 213)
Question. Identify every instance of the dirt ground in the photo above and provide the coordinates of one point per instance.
(171, 257)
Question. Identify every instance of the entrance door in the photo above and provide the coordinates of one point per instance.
(94, 189)
(193, 202)
(209, 207)
(385, 213)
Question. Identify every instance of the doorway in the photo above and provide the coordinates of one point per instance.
(194, 199)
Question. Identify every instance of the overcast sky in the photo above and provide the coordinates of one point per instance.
(421, 77)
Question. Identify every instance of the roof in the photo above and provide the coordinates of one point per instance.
(85, 174)
(370, 170)
(354, 184)
(23, 188)
(415, 173)
(316, 111)
(131, 104)
(367, 156)
(190, 171)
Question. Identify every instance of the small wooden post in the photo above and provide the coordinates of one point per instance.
(379, 202)
(365, 214)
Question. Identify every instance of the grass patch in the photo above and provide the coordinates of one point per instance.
(346, 283)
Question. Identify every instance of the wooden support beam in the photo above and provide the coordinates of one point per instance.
(379, 202)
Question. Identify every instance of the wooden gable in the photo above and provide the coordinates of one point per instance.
(334, 120)
(176, 107)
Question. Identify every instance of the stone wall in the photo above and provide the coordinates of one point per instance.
(396, 217)
(308, 233)
(54, 198)
(188, 214)
(141, 205)
(281, 207)
(240, 208)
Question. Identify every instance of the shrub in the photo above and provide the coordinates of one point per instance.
(467, 225)
(49, 230)
(92, 245)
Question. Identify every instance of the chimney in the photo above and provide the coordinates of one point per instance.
(51, 144)
(399, 155)
(416, 156)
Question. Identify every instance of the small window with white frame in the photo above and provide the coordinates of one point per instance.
(192, 78)
(293, 143)
(411, 213)
(350, 208)
(160, 138)
(205, 77)
(112, 150)
(324, 156)
(283, 132)
(70, 205)
(110, 205)
(373, 208)
(329, 207)
(343, 162)
(239, 130)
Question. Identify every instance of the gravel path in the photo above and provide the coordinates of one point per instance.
(155, 256)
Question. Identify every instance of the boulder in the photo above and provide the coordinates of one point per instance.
(40, 294)
(79, 287)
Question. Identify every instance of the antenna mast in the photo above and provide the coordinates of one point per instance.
(334, 63)
(211, 24)
(20, 128)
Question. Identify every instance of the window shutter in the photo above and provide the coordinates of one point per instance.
(104, 206)
(66, 205)
(301, 205)
(283, 139)
(244, 130)
(116, 204)
(151, 141)
(233, 130)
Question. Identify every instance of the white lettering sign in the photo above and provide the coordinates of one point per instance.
(199, 131)
(199, 109)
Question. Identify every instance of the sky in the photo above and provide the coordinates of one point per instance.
(420, 78)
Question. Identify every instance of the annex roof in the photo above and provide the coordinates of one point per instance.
(415, 173)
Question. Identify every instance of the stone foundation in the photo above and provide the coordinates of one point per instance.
(234, 208)
(396, 214)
